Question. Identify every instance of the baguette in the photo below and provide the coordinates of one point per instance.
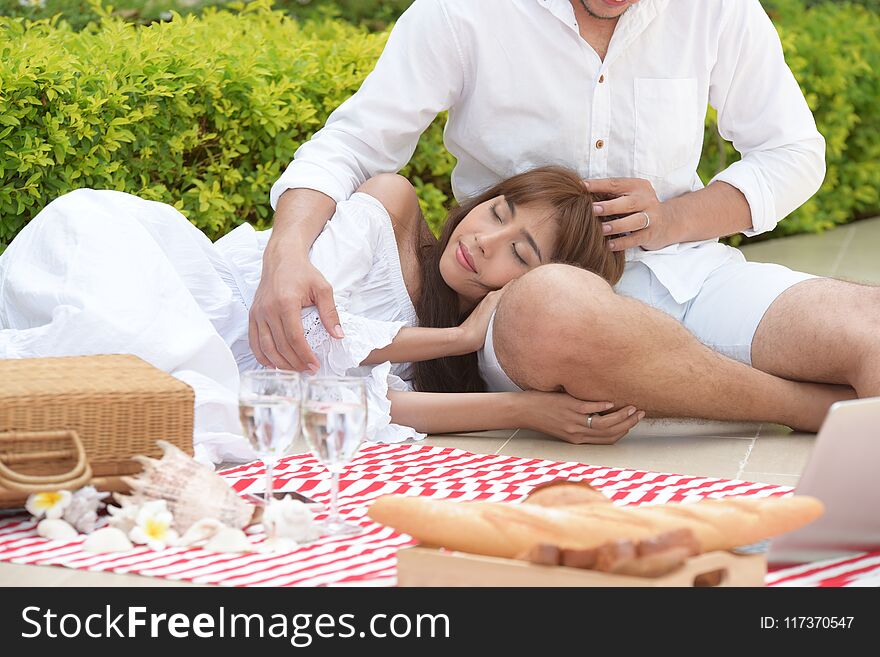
(510, 530)
(651, 557)
(564, 492)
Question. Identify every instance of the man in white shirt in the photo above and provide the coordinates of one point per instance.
(616, 89)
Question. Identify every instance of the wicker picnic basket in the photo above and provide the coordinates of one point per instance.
(72, 421)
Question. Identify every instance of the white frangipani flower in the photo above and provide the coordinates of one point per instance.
(50, 504)
(153, 526)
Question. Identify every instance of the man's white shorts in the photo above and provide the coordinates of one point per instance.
(724, 315)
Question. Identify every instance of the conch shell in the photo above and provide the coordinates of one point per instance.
(193, 491)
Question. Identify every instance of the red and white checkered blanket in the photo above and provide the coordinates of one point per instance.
(369, 558)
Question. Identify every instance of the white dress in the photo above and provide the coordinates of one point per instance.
(107, 272)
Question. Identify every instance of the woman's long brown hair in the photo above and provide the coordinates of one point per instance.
(579, 242)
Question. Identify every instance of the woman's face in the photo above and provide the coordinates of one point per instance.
(495, 243)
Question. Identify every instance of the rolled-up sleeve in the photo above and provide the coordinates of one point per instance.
(419, 74)
(762, 110)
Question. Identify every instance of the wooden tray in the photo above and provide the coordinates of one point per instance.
(419, 566)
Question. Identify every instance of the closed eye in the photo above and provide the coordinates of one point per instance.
(495, 212)
(513, 244)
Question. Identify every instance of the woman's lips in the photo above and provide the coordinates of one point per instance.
(464, 258)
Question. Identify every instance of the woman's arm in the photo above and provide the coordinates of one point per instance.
(435, 412)
(554, 413)
(413, 344)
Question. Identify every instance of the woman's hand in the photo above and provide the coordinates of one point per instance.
(565, 417)
(474, 328)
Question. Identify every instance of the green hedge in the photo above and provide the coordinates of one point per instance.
(833, 48)
(163, 112)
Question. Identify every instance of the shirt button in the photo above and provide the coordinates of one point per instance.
(601, 79)
(600, 143)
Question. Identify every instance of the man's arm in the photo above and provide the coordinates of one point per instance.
(762, 110)
(723, 208)
(289, 282)
(419, 74)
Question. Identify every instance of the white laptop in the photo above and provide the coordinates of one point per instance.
(843, 472)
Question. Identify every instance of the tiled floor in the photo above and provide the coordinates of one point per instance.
(753, 452)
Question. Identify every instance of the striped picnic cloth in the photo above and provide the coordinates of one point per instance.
(369, 558)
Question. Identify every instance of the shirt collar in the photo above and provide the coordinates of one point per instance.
(631, 25)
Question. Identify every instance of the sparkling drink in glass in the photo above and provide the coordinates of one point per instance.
(334, 419)
(269, 405)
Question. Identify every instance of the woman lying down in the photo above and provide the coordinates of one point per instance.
(107, 272)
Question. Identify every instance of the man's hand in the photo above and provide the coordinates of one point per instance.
(275, 331)
(644, 215)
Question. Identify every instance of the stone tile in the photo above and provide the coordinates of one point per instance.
(710, 456)
(848, 252)
(477, 443)
(496, 433)
(770, 478)
(780, 454)
(52, 576)
(814, 254)
(859, 261)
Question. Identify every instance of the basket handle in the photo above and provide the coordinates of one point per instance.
(79, 475)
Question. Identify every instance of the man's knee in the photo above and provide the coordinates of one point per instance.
(538, 316)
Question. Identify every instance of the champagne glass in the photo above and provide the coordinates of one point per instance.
(334, 419)
(269, 408)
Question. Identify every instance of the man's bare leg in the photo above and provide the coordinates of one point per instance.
(823, 330)
(560, 327)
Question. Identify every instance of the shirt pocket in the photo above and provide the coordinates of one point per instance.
(667, 119)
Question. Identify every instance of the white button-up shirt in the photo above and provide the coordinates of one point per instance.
(524, 89)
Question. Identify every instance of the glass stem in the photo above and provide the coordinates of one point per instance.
(270, 533)
(333, 517)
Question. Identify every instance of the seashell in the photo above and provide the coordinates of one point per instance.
(290, 518)
(203, 530)
(192, 490)
(123, 518)
(82, 512)
(56, 530)
(108, 539)
(229, 540)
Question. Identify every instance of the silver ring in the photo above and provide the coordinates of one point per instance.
(647, 220)
(590, 420)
